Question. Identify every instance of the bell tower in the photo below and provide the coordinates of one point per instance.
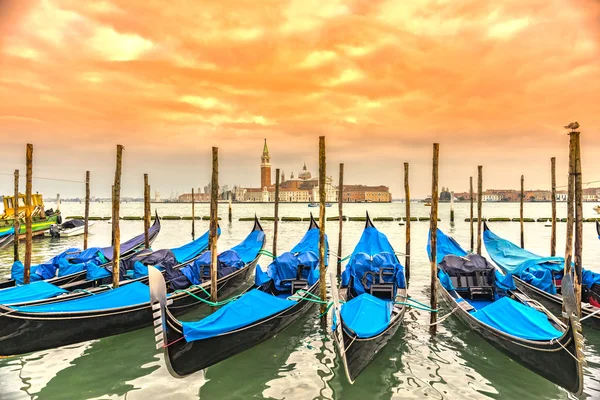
(265, 167)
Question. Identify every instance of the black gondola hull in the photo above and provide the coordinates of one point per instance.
(554, 360)
(360, 352)
(184, 358)
(22, 333)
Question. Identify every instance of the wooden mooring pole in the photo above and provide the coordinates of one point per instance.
(341, 220)
(112, 218)
(471, 219)
(86, 213)
(28, 228)
(521, 211)
(230, 212)
(276, 213)
(479, 200)
(578, 222)
(193, 214)
(146, 212)
(433, 232)
(570, 209)
(452, 207)
(407, 225)
(214, 223)
(16, 226)
(322, 255)
(553, 234)
(115, 223)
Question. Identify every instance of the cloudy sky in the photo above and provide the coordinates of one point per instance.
(492, 82)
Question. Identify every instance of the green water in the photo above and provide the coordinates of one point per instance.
(300, 362)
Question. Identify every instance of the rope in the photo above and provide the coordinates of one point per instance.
(173, 342)
(106, 286)
(48, 179)
(444, 317)
(266, 253)
(415, 306)
(210, 303)
(589, 315)
(554, 340)
(83, 291)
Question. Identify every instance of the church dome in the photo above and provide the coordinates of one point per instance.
(304, 174)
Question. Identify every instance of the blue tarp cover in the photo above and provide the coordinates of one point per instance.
(107, 252)
(445, 245)
(372, 253)
(17, 272)
(530, 267)
(33, 291)
(140, 270)
(366, 315)
(43, 271)
(517, 319)
(126, 295)
(251, 307)
(249, 248)
(191, 250)
(94, 271)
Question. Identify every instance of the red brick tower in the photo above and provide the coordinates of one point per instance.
(265, 168)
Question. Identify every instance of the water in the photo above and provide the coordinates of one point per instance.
(300, 363)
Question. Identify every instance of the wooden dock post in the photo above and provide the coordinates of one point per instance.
(479, 200)
(193, 215)
(276, 213)
(230, 211)
(433, 233)
(471, 220)
(146, 212)
(322, 255)
(553, 234)
(86, 215)
(570, 210)
(115, 223)
(341, 220)
(28, 230)
(112, 217)
(521, 211)
(578, 222)
(407, 225)
(451, 207)
(214, 223)
(16, 225)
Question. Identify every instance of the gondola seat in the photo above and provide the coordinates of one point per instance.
(472, 277)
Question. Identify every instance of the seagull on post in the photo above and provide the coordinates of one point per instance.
(572, 125)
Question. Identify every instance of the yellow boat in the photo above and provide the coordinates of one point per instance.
(41, 218)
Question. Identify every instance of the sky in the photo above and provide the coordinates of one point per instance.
(382, 80)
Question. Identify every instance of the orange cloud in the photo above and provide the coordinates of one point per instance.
(380, 78)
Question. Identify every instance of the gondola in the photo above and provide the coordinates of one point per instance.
(70, 265)
(277, 299)
(6, 238)
(598, 228)
(540, 277)
(489, 304)
(127, 308)
(99, 279)
(373, 289)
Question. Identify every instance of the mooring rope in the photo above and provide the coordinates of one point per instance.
(210, 303)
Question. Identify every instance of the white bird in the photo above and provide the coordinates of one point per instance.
(572, 125)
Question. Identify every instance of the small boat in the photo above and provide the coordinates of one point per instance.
(427, 204)
(72, 227)
(541, 277)
(489, 304)
(597, 209)
(71, 265)
(598, 228)
(317, 204)
(112, 312)
(373, 290)
(7, 237)
(277, 299)
(41, 219)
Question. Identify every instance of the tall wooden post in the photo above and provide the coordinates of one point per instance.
(322, 178)
(115, 223)
(433, 232)
(276, 214)
(28, 230)
(471, 219)
(57, 201)
(193, 214)
(214, 223)
(112, 217)
(570, 209)
(521, 214)
(452, 207)
(146, 212)
(407, 226)
(230, 212)
(16, 226)
(341, 219)
(479, 200)
(86, 215)
(553, 234)
(578, 222)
